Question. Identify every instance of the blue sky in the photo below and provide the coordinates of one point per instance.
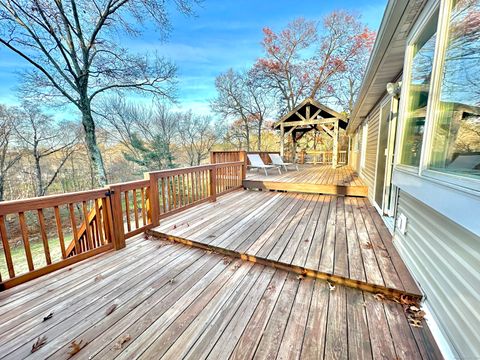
(223, 34)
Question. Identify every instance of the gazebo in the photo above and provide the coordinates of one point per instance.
(307, 116)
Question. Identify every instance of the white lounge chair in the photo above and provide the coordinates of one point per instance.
(277, 160)
(256, 162)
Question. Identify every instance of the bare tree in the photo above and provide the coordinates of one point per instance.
(197, 136)
(146, 134)
(72, 48)
(241, 99)
(9, 156)
(43, 138)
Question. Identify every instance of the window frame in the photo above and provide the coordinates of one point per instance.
(430, 9)
(455, 181)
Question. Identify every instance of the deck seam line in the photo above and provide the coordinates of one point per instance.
(356, 284)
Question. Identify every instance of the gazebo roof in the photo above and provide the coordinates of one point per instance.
(308, 114)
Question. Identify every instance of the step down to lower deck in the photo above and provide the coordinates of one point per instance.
(328, 189)
(391, 293)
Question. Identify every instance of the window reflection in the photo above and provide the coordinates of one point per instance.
(418, 93)
(456, 140)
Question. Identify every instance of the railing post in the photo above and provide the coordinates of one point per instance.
(213, 183)
(117, 217)
(153, 202)
(243, 157)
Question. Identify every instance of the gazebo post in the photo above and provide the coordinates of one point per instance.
(294, 147)
(282, 140)
(335, 145)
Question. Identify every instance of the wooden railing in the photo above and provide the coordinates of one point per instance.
(84, 224)
(53, 219)
(180, 189)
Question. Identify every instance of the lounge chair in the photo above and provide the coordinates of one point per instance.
(256, 162)
(277, 160)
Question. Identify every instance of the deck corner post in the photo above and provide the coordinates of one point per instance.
(213, 183)
(117, 217)
(243, 157)
(335, 145)
(153, 201)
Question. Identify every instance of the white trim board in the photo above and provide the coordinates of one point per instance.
(459, 206)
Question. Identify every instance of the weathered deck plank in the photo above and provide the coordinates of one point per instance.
(310, 179)
(330, 234)
(184, 302)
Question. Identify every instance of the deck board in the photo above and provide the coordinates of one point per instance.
(311, 179)
(330, 234)
(175, 301)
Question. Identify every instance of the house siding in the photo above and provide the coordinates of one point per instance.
(368, 172)
(444, 258)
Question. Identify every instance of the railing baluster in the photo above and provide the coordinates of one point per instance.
(6, 247)
(87, 226)
(43, 233)
(78, 249)
(135, 208)
(144, 216)
(61, 239)
(98, 223)
(26, 241)
(127, 211)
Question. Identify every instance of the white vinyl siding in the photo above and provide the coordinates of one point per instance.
(368, 172)
(444, 258)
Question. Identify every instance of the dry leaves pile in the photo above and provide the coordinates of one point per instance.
(411, 306)
(42, 340)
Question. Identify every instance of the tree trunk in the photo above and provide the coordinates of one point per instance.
(2, 188)
(38, 173)
(259, 146)
(91, 141)
(247, 135)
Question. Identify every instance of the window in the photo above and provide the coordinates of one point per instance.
(455, 144)
(422, 56)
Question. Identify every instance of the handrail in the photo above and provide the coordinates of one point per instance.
(102, 219)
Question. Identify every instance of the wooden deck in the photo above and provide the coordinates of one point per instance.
(334, 235)
(155, 299)
(319, 179)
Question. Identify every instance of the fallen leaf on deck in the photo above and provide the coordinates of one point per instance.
(300, 277)
(42, 340)
(227, 260)
(174, 227)
(415, 323)
(110, 309)
(121, 341)
(367, 245)
(48, 317)
(379, 297)
(306, 240)
(171, 281)
(76, 347)
(98, 277)
(330, 286)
